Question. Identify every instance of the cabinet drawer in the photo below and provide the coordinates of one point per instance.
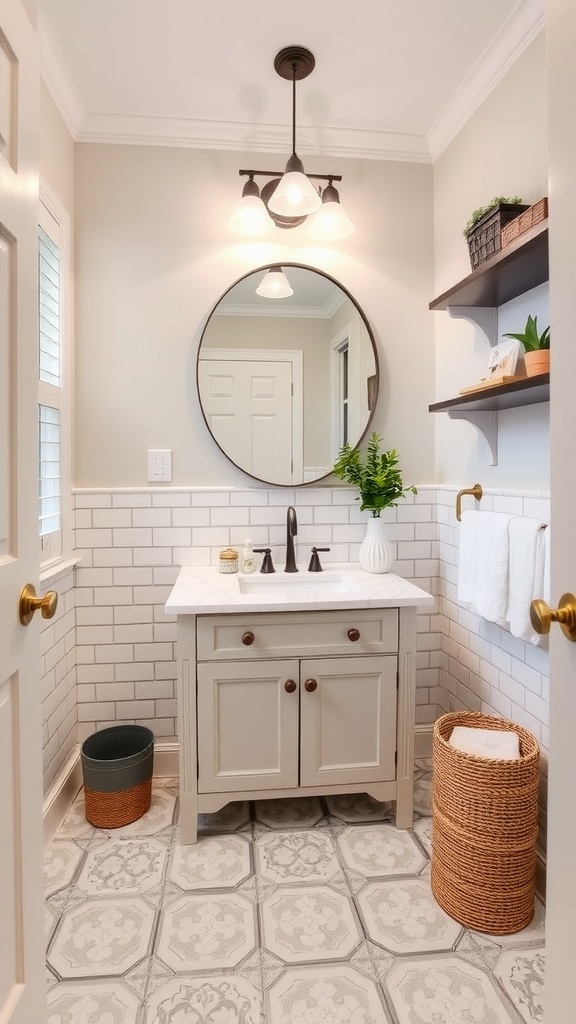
(297, 634)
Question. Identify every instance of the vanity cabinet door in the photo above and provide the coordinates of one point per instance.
(247, 726)
(348, 720)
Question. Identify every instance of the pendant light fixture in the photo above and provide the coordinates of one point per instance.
(274, 285)
(288, 199)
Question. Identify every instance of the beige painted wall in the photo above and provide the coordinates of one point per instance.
(502, 150)
(56, 151)
(153, 256)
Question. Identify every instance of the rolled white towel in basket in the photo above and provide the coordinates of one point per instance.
(495, 743)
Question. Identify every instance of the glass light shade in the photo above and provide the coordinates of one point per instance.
(274, 285)
(251, 217)
(294, 196)
(330, 223)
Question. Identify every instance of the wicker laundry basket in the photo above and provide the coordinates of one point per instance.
(484, 829)
(117, 765)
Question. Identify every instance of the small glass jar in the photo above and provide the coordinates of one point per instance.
(228, 560)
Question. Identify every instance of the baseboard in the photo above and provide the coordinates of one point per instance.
(423, 740)
(68, 784)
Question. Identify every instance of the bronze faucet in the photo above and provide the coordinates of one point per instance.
(291, 531)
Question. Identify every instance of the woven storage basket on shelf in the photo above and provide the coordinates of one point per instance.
(117, 766)
(484, 239)
(484, 829)
(532, 216)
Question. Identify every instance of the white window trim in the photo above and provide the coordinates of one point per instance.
(56, 210)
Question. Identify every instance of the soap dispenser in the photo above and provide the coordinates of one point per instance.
(247, 562)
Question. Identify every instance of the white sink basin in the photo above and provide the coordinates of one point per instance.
(323, 584)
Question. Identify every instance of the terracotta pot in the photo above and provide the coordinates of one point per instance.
(537, 362)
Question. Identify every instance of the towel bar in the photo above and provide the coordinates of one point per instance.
(476, 491)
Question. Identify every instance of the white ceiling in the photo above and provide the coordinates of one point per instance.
(393, 78)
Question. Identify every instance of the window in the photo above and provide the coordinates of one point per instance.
(53, 475)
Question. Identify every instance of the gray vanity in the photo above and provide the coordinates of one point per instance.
(294, 684)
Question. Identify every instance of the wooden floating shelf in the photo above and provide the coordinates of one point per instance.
(528, 391)
(522, 265)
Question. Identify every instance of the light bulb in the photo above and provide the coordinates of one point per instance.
(274, 285)
(330, 222)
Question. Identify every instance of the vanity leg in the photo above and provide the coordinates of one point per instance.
(188, 819)
(406, 719)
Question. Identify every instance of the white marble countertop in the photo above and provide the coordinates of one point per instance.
(203, 589)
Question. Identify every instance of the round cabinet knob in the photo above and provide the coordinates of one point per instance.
(248, 638)
(289, 686)
(541, 616)
(29, 603)
(353, 635)
(310, 685)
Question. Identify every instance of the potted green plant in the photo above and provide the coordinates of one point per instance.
(379, 481)
(482, 229)
(536, 347)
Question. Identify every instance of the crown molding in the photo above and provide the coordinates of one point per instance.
(521, 28)
(261, 138)
(59, 80)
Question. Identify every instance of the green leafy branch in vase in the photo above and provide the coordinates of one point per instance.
(376, 476)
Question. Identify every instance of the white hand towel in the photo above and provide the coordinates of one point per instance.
(483, 563)
(526, 539)
(496, 743)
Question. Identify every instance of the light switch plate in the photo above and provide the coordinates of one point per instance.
(159, 465)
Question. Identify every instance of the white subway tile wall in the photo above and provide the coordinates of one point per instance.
(113, 639)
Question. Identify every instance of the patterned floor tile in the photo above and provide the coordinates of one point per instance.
(479, 950)
(224, 999)
(124, 865)
(380, 851)
(423, 829)
(261, 968)
(372, 960)
(296, 856)
(75, 825)
(356, 807)
(521, 973)
(211, 930)
(403, 917)
(322, 995)
(214, 862)
(60, 864)
(102, 937)
(309, 924)
(444, 991)
(108, 1001)
(298, 812)
(159, 815)
(227, 819)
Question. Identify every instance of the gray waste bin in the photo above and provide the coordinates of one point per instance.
(117, 765)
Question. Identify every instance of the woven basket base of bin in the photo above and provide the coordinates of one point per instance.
(484, 829)
(112, 810)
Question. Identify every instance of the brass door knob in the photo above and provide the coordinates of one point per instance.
(310, 685)
(289, 686)
(29, 603)
(248, 638)
(353, 635)
(541, 616)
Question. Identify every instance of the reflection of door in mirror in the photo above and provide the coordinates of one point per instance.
(252, 401)
(280, 381)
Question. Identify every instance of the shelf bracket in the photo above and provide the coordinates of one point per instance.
(486, 423)
(484, 317)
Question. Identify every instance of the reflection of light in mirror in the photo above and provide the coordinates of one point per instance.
(274, 285)
(283, 383)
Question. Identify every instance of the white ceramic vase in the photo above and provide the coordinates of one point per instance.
(376, 554)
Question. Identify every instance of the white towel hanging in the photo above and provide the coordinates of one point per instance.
(483, 563)
(526, 563)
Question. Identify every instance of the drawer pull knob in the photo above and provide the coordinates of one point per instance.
(353, 635)
(289, 686)
(248, 638)
(310, 685)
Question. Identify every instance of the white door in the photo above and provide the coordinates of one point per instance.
(248, 405)
(561, 883)
(22, 994)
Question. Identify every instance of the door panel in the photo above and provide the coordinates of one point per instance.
(247, 726)
(22, 991)
(348, 722)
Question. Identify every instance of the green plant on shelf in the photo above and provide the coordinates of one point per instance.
(376, 476)
(479, 213)
(530, 338)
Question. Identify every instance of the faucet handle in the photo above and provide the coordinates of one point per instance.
(267, 565)
(315, 561)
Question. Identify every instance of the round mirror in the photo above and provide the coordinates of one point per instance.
(287, 372)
